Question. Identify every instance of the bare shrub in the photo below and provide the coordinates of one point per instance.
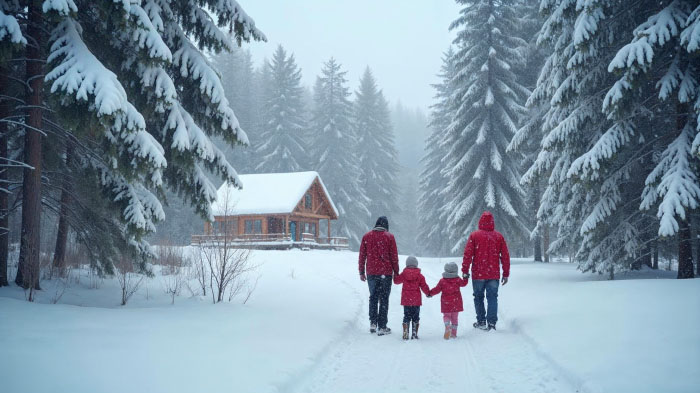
(62, 285)
(227, 268)
(129, 280)
(173, 268)
(199, 272)
(170, 258)
(250, 288)
(222, 265)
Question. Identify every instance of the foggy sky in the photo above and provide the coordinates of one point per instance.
(401, 40)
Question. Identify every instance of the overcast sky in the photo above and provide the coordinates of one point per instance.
(401, 40)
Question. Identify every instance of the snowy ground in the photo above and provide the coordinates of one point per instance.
(305, 330)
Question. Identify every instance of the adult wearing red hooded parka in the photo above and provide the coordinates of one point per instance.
(486, 252)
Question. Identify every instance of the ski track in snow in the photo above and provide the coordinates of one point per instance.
(499, 362)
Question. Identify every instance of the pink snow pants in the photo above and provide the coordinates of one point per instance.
(451, 318)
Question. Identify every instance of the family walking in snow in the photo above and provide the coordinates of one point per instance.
(485, 253)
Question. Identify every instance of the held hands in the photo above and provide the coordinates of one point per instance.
(363, 278)
(504, 281)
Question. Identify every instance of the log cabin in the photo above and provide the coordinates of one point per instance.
(274, 211)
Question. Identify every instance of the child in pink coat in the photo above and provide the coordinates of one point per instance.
(451, 299)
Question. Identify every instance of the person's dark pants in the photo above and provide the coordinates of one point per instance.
(411, 314)
(379, 290)
(491, 289)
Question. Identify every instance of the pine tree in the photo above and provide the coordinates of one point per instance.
(333, 149)
(525, 143)
(488, 103)
(375, 147)
(240, 87)
(434, 235)
(569, 87)
(11, 41)
(282, 145)
(662, 56)
(108, 65)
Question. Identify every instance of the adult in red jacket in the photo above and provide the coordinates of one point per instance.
(486, 252)
(378, 262)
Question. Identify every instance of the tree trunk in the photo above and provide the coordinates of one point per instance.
(545, 239)
(4, 197)
(655, 246)
(685, 251)
(59, 255)
(537, 241)
(29, 263)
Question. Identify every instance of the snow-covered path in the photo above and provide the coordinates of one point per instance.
(306, 330)
(502, 361)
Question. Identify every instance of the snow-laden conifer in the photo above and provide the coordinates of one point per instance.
(333, 152)
(375, 147)
(282, 147)
(487, 105)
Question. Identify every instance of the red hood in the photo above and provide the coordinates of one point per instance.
(411, 273)
(486, 222)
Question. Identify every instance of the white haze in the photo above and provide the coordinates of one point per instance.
(401, 40)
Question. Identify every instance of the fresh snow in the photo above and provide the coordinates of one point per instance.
(269, 193)
(305, 330)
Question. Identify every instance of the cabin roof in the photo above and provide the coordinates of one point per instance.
(268, 193)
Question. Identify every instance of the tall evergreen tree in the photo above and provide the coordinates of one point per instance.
(488, 103)
(434, 235)
(375, 147)
(663, 55)
(525, 143)
(239, 82)
(282, 147)
(603, 153)
(108, 64)
(333, 151)
(11, 41)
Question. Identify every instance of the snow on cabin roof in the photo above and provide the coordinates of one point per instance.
(268, 193)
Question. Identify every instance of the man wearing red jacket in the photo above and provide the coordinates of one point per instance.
(379, 256)
(486, 251)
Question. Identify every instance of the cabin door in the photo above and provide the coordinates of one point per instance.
(293, 230)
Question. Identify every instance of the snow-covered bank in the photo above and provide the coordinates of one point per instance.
(304, 329)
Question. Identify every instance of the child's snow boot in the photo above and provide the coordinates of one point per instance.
(405, 331)
(448, 331)
(415, 331)
(453, 334)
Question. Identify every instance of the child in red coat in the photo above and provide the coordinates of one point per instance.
(413, 283)
(451, 299)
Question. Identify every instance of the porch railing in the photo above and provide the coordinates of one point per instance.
(337, 242)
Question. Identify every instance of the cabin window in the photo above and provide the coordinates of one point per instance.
(307, 201)
(253, 226)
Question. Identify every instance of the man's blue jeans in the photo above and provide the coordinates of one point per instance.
(379, 290)
(491, 289)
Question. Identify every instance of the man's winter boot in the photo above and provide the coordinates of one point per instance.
(448, 331)
(405, 331)
(383, 331)
(481, 325)
(415, 331)
(373, 328)
(492, 326)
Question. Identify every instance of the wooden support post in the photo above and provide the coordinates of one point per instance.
(329, 230)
